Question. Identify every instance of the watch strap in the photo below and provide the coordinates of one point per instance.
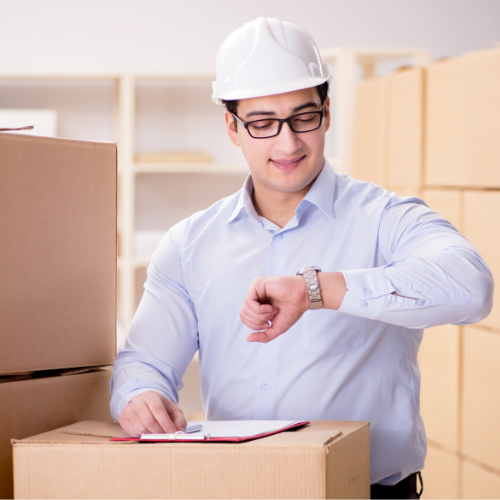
(310, 275)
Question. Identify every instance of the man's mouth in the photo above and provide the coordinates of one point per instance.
(288, 164)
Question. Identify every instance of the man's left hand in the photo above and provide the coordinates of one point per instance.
(282, 300)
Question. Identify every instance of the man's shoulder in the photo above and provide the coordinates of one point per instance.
(208, 219)
(368, 196)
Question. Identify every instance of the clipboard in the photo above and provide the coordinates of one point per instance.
(222, 431)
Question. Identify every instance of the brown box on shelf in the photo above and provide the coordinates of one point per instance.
(58, 253)
(81, 462)
(482, 118)
(463, 121)
(480, 208)
(370, 131)
(480, 404)
(445, 123)
(35, 405)
(438, 359)
(173, 157)
(405, 124)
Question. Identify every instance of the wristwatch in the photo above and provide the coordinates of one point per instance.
(311, 278)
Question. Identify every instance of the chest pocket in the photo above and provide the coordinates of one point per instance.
(330, 332)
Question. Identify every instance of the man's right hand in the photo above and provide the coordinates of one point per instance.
(151, 413)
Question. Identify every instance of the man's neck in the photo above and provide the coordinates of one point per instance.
(276, 206)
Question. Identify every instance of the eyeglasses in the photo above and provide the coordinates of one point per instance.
(271, 127)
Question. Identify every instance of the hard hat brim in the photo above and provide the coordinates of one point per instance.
(274, 88)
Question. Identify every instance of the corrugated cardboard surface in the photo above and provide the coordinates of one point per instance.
(307, 463)
(40, 404)
(57, 253)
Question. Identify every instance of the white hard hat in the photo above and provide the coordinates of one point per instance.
(267, 57)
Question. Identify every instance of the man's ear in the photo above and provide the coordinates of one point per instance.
(231, 132)
(327, 115)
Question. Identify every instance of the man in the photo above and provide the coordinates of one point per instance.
(225, 281)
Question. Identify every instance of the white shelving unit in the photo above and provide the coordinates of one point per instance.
(345, 63)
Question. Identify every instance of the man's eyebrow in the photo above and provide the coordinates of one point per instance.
(294, 110)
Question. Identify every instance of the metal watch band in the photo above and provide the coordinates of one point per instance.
(311, 278)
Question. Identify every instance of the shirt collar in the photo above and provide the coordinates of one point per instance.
(322, 192)
(321, 195)
(245, 201)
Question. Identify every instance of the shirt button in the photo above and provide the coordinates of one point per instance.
(279, 236)
(364, 304)
(264, 385)
(368, 291)
(419, 302)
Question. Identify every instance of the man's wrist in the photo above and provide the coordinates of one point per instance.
(333, 289)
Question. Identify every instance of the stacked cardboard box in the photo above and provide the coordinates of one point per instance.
(444, 145)
(57, 286)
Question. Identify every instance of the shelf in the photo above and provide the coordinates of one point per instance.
(137, 263)
(190, 168)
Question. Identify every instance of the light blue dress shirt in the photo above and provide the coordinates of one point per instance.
(357, 363)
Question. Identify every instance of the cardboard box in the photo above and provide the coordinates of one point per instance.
(370, 131)
(439, 363)
(441, 474)
(81, 462)
(482, 118)
(479, 482)
(480, 402)
(35, 405)
(405, 124)
(445, 123)
(463, 121)
(446, 202)
(480, 209)
(58, 253)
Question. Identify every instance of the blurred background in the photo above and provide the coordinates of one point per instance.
(416, 107)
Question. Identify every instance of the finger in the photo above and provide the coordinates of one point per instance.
(161, 416)
(177, 416)
(255, 325)
(258, 307)
(147, 419)
(247, 315)
(258, 337)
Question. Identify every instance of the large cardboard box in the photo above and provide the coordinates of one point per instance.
(445, 123)
(405, 125)
(463, 121)
(80, 462)
(482, 118)
(481, 209)
(480, 402)
(35, 405)
(370, 131)
(57, 253)
(439, 360)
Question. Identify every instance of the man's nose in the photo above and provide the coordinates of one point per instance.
(287, 141)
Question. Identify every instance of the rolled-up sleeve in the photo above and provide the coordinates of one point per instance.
(163, 336)
(438, 275)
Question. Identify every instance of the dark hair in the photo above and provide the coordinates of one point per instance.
(232, 106)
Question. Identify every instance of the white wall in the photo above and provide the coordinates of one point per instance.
(184, 35)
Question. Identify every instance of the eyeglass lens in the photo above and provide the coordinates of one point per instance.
(301, 123)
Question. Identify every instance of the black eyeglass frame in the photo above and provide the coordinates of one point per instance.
(281, 122)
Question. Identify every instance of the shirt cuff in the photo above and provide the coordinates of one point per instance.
(367, 292)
